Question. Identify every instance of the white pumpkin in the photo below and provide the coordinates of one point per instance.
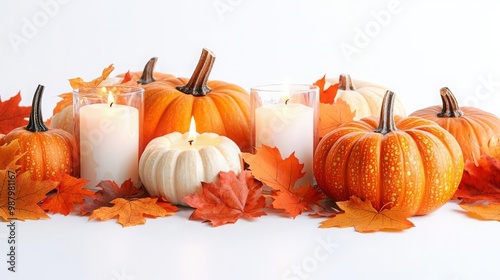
(364, 97)
(63, 120)
(173, 168)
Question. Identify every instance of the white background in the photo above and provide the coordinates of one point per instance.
(412, 47)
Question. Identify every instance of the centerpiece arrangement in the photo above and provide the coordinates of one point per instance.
(141, 144)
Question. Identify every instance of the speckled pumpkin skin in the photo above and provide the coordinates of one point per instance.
(418, 166)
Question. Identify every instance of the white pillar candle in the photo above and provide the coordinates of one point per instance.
(290, 128)
(109, 143)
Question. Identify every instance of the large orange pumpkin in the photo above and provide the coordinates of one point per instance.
(472, 127)
(217, 106)
(48, 151)
(411, 162)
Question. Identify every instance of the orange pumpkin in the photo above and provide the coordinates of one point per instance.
(472, 127)
(411, 162)
(217, 106)
(47, 151)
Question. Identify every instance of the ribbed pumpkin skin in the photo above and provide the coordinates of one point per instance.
(224, 110)
(363, 97)
(174, 174)
(473, 129)
(47, 153)
(418, 166)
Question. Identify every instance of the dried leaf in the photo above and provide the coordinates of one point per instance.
(70, 191)
(480, 182)
(333, 115)
(9, 155)
(364, 218)
(79, 82)
(131, 212)
(483, 211)
(234, 197)
(281, 175)
(163, 203)
(109, 191)
(328, 95)
(12, 115)
(19, 196)
(67, 100)
(126, 77)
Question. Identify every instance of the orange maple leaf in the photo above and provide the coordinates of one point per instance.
(19, 196)
(70, 191)
(9, 155)
(328, 95)
(333, 115)
(364, 218)
(79, 82)
(234, 197)
(67, 100)
(131, 212)
(126, 77)
(12, 115)
(489, 211)
(480, 182)
(109, 191)
(268, 166)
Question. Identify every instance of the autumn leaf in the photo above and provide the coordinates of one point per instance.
(79, 82)
(24, 196)
(131, 212)
(163, 203)
(109, 191)
(281, 175)
(67, 100)
(493, 148)
(126, 77)
(328, 95)
(234, 197)
(70, 191)
(9, 155)
(364, 218)
(333, 115)
(480, 182)
(483, 211)
(12, 115)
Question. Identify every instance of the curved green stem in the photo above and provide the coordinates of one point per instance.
(35, 123)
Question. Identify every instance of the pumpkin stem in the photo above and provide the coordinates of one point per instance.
(450, 105)
(147, 73)
(386, 122)
(345, 82)
(197, 84)
(35, 124)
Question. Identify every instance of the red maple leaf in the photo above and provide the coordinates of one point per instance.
(480, 182)
(281, 175)
(109, 190)
(234, 197)
(328, 95)
(70, 191)
(12, 115)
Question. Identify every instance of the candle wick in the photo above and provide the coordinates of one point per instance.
(190, 142)
(111, 104)
(286, 101)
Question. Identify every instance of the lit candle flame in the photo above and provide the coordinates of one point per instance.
(192, 131)
(111, 99)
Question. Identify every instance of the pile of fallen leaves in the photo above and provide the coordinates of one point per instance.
(268, 183)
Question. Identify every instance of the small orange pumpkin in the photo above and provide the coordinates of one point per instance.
(47, 151)
(411, 162)
(217, 106)
(472, 127)
(148, 75)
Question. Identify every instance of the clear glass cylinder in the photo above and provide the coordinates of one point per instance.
(108, 129)
(286, 117)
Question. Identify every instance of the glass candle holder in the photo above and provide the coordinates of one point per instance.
(286, 117)
(108, 131)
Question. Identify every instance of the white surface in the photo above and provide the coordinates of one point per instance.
(424, 46)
